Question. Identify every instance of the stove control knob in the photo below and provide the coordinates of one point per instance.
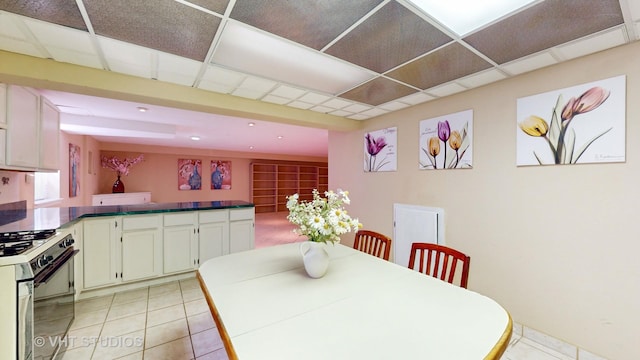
(69, 242)
(44, 260)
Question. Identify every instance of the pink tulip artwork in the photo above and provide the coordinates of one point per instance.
(586, 124)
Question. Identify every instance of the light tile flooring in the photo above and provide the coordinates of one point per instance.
(168, 321)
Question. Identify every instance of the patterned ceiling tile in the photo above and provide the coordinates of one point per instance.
(311, 23)
(61, 12)
(218, 6)
(545, 25)
(451, 62)
(390, 37)
(378, 91)
(163, 25)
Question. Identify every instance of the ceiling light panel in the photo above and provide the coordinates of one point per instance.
(287, 92)
(254, 52)
(464, 16)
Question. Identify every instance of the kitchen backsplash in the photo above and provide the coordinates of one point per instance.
(10, 186)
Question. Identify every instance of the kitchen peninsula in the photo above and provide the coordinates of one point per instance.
(130, 245)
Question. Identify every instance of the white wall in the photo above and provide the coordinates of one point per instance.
(557, 246)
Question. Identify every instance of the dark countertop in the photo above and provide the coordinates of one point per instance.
(54, 218)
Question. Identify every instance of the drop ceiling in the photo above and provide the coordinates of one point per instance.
(353, 59)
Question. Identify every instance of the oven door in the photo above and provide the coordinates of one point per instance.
(24, 287)
(53, 308)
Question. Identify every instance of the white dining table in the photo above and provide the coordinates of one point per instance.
(266, 307)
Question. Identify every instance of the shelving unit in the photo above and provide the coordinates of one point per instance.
(271, 183)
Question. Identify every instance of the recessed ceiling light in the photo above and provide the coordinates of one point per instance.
(280, 136)
(465, 16)
(250, 147)
(142, 109)
(252, 124)
(195, 138)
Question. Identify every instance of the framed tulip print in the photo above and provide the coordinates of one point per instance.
(446, 142)
(380, 150)
(576, 125)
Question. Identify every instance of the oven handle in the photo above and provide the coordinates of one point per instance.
(46, 274)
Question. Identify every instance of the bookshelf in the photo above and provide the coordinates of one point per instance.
(271, 183)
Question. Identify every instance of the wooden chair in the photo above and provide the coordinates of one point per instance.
(373, 243)
(439, 261)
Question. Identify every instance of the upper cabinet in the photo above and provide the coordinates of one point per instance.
(31, 127)
(49, 135)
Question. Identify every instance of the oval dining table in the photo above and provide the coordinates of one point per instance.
(266, 307)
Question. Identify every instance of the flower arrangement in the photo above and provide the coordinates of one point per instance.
(321, 219)
(557, 133)
(120, 166)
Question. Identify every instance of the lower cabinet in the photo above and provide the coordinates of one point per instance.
(190, 238)
(99, 252)
(141, 247)
(241, 230)
(121, 249)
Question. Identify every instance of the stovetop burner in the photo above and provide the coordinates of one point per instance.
(9, 237)
(14, 243)
(15, 248)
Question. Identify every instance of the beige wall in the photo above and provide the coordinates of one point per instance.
(557, 246)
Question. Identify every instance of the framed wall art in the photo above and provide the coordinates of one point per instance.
(74, 170)
(446, 142)
(189, 174)
(576, 125)
(220, 175)
(380, 148)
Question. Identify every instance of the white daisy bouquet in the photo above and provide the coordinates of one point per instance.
(322, 219)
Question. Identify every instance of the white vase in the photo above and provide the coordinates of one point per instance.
(315, 258)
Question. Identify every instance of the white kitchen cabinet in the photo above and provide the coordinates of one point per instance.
(132, 198)
(49, 135)
(180, 242)
(23, 111)
(121, 249)
(30, 130)
(241, 229)
(3, 105)
(141, 247)
(213, 234)
(99, 252)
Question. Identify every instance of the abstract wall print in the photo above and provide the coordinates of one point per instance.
(380, 148)
(74, 170)
(446, 142)
(189, 177)
(576, 125)
(220, 175)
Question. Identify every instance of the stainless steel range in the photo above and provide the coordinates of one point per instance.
(44, 290)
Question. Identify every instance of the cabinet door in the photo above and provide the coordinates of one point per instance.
(212, 240)
(22, 127)
(49, 135)
(3, 105)
(141, 254)
(99, 252)
(178, 247)
(241, 235)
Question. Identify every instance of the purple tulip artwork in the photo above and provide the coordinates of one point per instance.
(589, 127)
(445, 141)
(380, 150)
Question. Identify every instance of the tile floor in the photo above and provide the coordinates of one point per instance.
(168, 321)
